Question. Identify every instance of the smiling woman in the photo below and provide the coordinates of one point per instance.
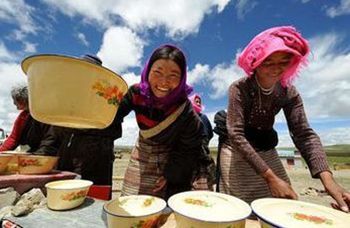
(249, 164)
(168, 149)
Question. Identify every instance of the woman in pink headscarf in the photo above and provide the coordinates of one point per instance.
(250, 166)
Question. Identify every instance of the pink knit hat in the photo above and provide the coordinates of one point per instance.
(283, 38)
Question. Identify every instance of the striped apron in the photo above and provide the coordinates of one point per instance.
(148, 159)
(239, 179)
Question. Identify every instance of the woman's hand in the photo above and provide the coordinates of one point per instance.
(160, 184)
(278, 187)
(340, 195)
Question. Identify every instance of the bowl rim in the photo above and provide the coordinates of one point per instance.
(6, 155)
(26, 62)
(36, 156)
(214, 193)
(87, 183)
(134, 216)
(256, 203)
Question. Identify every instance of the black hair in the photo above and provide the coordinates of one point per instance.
(171, 53)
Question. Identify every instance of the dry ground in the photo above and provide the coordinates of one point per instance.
(300, 178)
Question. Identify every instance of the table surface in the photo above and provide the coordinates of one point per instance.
(89, 214)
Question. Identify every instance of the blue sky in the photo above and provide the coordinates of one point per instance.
(123, 34)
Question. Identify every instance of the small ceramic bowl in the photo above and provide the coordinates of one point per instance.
(66, 194)
(273, 212)
(134, 211)
(207, 209)
(36, 164)
(4, 160)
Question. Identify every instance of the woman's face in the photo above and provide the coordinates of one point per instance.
(164, 77)
(271, 69)
(21, 105)
(197, 100)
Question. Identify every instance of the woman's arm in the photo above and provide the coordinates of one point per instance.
(310, 147)
(303, 136)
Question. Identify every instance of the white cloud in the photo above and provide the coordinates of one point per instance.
(325, 83)
(5, 54)
(10, 75)
(131, 78)
(29, 47)
(173, 15)
(218, 79)
(342, 9)
(244, 6)
(138, 15)
(19, 13)
(121, 48)
(81, 37)
(130, 131)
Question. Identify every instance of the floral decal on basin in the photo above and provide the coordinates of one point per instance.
(29, 162)
(148, 223)
(311, 218)
(111, 93)
(197, 202)
(74, 195)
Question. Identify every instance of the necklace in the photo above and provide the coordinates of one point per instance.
(263, 90)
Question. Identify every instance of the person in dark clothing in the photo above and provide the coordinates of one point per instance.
(28, 131)
(205, 178)
(221, 130)
(89, 152)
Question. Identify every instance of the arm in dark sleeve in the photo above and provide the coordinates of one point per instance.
(303, 136)
(207, 125)
(49, 142)
(126, 105)
(184, 159)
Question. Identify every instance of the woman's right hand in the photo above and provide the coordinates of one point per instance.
(278, 187)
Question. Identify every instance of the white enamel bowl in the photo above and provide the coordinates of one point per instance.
(71, 92)
(134, 211)
(36, 164)
(205, 209)
(66, 194)
(273, 212)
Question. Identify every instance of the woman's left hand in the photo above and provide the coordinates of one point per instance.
(160, 184)
(341, 196)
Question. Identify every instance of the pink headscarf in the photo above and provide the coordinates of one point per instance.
(283, 38)
(197, 108)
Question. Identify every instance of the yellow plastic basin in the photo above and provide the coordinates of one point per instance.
(71, 92)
